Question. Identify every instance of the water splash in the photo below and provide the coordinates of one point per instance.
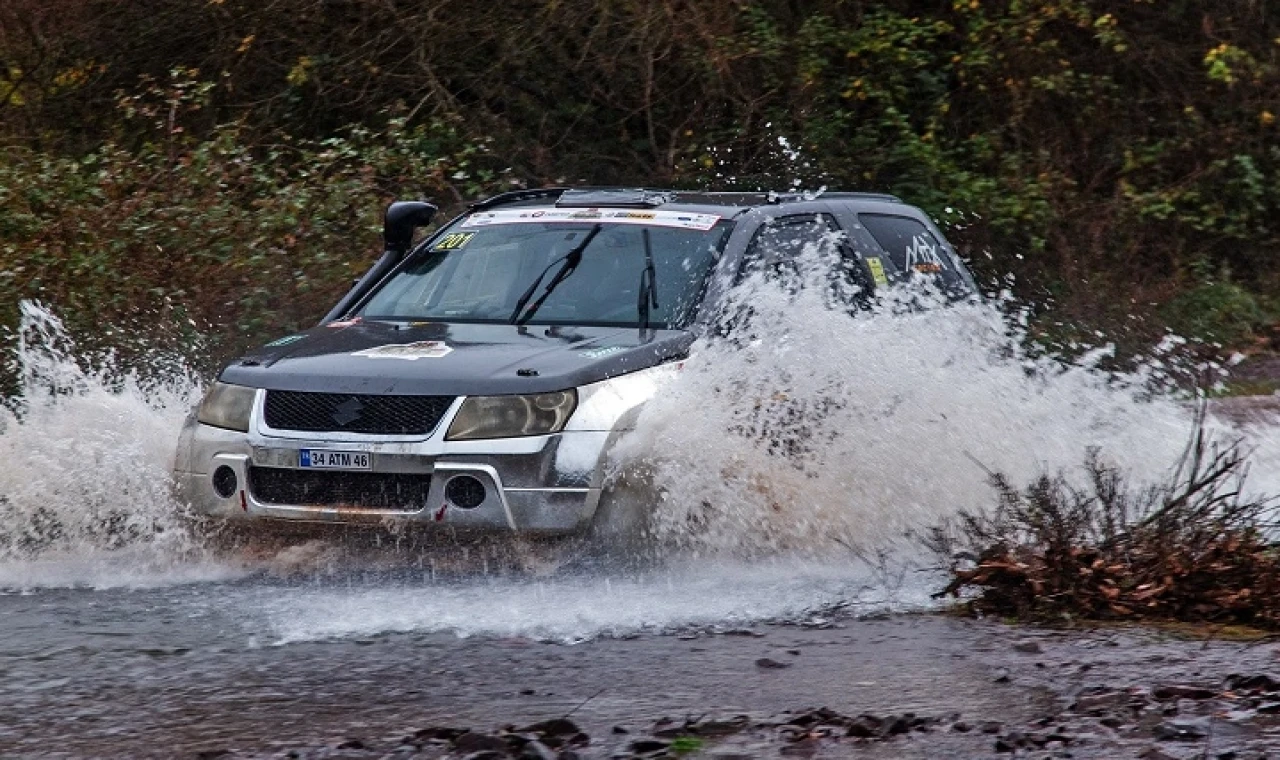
(822, 432)
(84, 491)
(814, 433)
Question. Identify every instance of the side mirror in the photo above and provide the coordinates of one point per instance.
(402, 218)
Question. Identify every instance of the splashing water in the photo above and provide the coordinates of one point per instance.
(824, 432)
(813, 432)
(84, 491)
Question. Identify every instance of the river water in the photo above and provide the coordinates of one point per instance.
(792, 467)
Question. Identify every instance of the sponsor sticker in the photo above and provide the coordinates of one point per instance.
(922, 255)
(603, 351)
(877, 270)
(657, 218)
(422, 349)
(286, 340)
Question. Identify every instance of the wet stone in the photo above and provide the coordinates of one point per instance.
(1028, 647)
(645, 746)
(771, 664)
(1180, 731)
(474, 742)
(1184, 691)
(536, 750)
(553, 727)
(1261, 682)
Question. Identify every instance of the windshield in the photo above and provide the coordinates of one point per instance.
(588, 272)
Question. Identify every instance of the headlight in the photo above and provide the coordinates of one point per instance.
(512, 416)
(227, 406)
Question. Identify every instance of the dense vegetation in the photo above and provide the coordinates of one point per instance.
(226, 161)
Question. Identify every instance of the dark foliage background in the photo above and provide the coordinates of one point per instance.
(226, 161)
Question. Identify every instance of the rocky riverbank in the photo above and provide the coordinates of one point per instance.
(902, 687)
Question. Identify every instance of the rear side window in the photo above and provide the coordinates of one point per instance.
(911, 246)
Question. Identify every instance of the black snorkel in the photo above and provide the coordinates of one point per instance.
(402, 218)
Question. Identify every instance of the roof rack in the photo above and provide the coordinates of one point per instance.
(650, 197)
(515, 196)
(762, 198)
(615, 196)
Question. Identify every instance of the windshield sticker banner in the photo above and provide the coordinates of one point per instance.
(423, 349)
(679, 219)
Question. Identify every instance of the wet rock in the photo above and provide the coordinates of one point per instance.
(771, 664)
(352, 744)
(990, 727)
(961, 727)
(898, 725)
(1028, 647)
(213, 754)
(1269, 708)
(1261, 682)
(438, 734)
(864, 727)
(1184, 691)
(475, 742)
(536, 750)
(720, 727)
(620, 730)
(1183, 731)
(1151, 753)
(1002, 676)
(1099, 702)
(645, 746)
(553, 727)
(487, 754)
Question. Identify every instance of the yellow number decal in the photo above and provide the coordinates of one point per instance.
(453, 241)
(877, 270)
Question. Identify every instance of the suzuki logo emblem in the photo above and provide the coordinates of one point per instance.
(348, 411)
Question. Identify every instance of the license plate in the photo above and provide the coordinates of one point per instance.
(321, 459)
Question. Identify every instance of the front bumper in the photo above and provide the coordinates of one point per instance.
(547, 484)
(540, 485)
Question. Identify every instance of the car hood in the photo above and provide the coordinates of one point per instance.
(452, 359)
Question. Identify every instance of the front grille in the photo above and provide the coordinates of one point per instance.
(368, 490)
(355, 413)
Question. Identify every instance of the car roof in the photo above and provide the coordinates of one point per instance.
(725, 204)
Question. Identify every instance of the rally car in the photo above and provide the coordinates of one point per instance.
(477, 380)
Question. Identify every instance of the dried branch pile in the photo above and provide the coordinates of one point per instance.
(1197, 548)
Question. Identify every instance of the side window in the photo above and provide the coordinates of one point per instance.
(911, 246)
(778, 244)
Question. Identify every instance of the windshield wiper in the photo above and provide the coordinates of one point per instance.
(648, 282)
(569, 262)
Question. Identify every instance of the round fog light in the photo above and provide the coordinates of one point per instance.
(464, 492)
(225, 482)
